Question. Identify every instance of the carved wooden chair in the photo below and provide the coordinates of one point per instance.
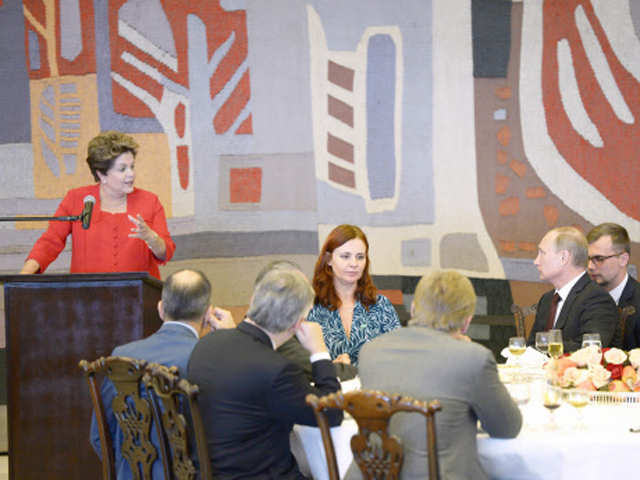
(177, 415)
(132, 411)
(378, 454)
(519, 316)
(106, 444)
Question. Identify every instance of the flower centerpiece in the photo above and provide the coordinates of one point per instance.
(609, 370)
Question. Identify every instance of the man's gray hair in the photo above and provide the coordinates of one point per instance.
(572, 240)
(280, 299)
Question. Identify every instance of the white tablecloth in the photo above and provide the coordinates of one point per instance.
(604, 449)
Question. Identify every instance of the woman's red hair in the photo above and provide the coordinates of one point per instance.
(326, 295)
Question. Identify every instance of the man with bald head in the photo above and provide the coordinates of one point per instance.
(609, 254)
(185, 309)
(576, 305)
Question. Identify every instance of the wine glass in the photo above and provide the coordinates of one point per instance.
(552, 400)
(542, 342)
(579, 399)
(589, 339)
(517, 346)
(556, 348)
(520, 392)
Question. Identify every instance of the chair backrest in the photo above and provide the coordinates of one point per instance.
(106, 443)
(618, 336)
(132, 410)
(377, 453)
(519, 315)
(177, 415)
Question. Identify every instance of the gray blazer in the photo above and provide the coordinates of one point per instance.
(428, 364)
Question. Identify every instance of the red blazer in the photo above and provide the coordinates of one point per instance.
(105, 246)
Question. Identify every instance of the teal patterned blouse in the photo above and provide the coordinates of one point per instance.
(380, 318)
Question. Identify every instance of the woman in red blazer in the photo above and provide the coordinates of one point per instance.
(128, 228)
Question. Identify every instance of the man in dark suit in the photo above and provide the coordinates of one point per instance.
(577, 305)
(184, 309)
(250, 395)
(609, 250)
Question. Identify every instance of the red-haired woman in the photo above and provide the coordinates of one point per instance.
(347, 305)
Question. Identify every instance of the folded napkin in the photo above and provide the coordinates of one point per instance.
(349, 385)
(530, 358)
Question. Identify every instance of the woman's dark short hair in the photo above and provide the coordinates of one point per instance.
(105, 148)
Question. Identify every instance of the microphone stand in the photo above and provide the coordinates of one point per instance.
(70, 218)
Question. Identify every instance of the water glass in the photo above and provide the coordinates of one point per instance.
(542, 342)
(589, 339)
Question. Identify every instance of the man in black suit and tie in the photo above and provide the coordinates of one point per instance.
(577, 305)
(250, 395)
(609, 250)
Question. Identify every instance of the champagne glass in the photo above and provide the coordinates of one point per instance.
(517, 346)
(552, 399)
(556, 348)
(589, 339)
(579, 399)
(542, 342)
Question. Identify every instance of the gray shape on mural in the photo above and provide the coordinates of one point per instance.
(48, 130)
(34, 50)
(500, 114)
(49, 94)
(416, 252)
(344, 24)
(71, 25)
(149, 19)
(14, 78)
(481, 305)
(288, 181)
(66, 88)
(521, 269)
(69, 163)
(50, 158)
(109, 119)
(17, 164)
(46, 111)
(244, 244)
(381, 92)
(463, 251)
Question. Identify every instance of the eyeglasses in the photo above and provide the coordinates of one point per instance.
(598, 259)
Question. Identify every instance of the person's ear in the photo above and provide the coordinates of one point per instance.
(413, 308)
(160, 310)
(465, 325)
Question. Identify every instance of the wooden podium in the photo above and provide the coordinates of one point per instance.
(53, 321)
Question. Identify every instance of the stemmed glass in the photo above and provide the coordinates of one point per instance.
(556, 348)
(589, 339)
(517, 346)
(542, 342)
(552, 400)
(579, 399)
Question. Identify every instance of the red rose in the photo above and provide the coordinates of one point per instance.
(616, 371)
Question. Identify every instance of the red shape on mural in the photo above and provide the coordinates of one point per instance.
(233, 106)
(509, 206)
(612, 169)
(245, 185)
(183, 166)
(180, 119)
(245, 127)
(43, 18)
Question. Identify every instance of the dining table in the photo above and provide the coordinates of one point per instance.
(601, 441)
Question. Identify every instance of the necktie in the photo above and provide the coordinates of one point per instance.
(554, 307)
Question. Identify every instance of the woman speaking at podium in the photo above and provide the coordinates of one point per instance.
(123, 228)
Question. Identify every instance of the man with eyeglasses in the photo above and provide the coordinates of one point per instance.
(609, 251)
(577, 305)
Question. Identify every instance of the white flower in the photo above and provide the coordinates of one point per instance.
(599, 375)
(590, 355)
(634, 357)
(615, 356)
(574, 376)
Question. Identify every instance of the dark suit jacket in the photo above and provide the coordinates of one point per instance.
(631, 296)
(587, 309)
(250, 397)
(294, 351)
(170, 345)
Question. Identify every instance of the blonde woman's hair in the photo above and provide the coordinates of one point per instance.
(443, 301)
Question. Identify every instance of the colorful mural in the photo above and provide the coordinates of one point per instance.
(264, 124)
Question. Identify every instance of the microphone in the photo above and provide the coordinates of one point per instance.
(85, 216)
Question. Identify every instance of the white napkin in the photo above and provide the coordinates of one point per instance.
(530, 358)
(349, 385)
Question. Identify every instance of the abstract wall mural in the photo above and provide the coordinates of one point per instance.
(263, 125)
